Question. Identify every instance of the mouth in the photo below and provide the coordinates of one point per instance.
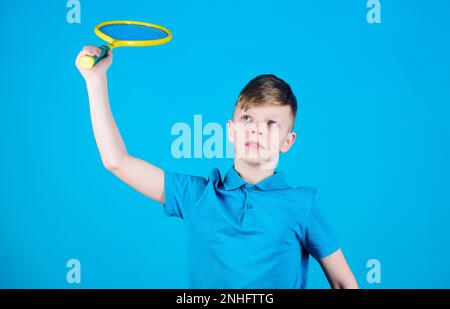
(254, 145)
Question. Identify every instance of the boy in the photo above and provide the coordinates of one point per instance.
(248, 229)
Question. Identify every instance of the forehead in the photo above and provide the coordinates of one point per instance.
(282, 113)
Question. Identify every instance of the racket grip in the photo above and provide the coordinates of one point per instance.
(88, 62)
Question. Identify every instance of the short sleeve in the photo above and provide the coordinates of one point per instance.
(319, 240)
(181, 192)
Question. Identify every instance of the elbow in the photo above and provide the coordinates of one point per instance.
(111, 165)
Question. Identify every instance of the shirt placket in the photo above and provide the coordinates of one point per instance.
(247, 220)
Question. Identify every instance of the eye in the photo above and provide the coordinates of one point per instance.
(247, 118)
(272, 124)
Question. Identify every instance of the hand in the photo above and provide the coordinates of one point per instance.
(99, 69)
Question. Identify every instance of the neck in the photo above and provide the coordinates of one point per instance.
(252, 174)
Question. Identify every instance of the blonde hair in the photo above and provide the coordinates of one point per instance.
(267, 89)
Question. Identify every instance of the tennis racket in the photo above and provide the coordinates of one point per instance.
(120, 33)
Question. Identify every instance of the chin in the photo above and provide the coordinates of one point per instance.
(256, 161)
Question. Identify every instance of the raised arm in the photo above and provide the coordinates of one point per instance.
(142, 176)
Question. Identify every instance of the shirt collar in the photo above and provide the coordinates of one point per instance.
(233, 181)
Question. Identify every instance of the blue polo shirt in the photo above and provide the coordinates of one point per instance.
(242, 235)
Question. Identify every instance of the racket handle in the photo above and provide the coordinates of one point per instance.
(88, 62)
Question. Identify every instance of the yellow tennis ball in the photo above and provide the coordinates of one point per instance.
(87, 62)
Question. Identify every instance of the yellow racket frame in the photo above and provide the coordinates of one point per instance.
(89, 61)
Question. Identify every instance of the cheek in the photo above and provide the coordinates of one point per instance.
(277, 136)
(239, 135)
(273, 139)
(242, 130)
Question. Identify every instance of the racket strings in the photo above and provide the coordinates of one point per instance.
(133, 32)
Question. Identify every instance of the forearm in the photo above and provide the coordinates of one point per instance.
(338, 272)
(107, 136)
(349, 283)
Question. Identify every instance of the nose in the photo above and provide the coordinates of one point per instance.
(257, 129)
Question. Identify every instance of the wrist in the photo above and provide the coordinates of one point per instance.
(95, 79)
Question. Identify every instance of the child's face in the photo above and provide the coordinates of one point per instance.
(260, 133)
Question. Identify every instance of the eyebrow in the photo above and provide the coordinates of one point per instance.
(272, 117)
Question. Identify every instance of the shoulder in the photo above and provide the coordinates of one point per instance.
(181, 179)
(214, 176)
(305, 194)
(301, 199)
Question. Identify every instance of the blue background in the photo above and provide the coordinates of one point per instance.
(373, 133)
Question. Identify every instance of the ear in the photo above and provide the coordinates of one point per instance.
(288, 142)
(230, 131)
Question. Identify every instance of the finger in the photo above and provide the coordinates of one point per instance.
(87, 52)
(96, 50)
(92, 49)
